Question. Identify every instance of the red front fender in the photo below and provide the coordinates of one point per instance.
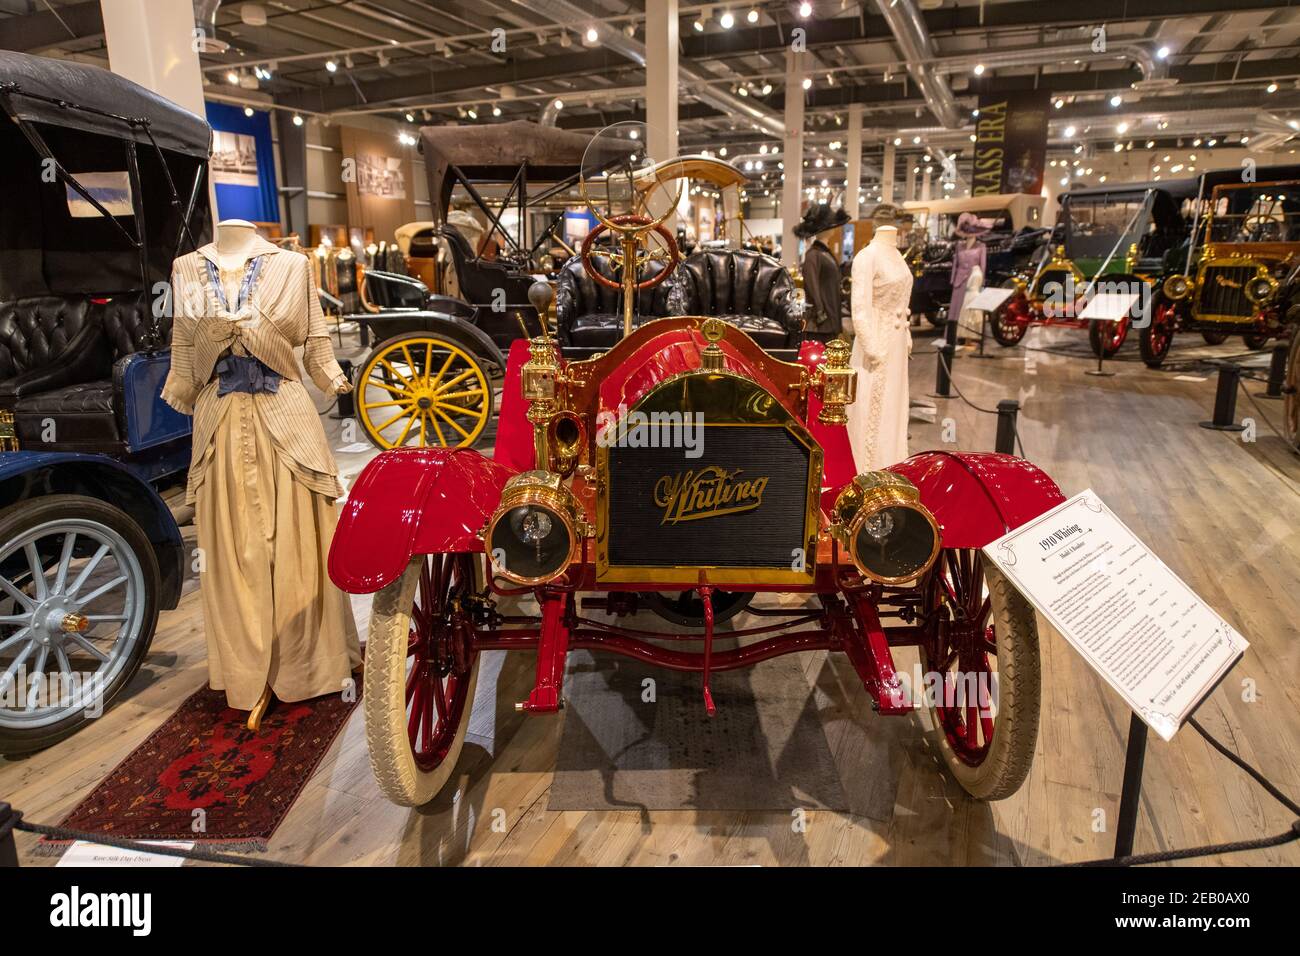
(977, 497)
(412, 501)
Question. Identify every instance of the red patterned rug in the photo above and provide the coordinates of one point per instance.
(204, 777)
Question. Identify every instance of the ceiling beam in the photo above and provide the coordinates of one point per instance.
(344, 96)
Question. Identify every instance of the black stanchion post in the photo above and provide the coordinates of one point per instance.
(943, 362)
(1225, 401)
(1276, 372)
(8, 849)
(1130, 797)
(1008, 409)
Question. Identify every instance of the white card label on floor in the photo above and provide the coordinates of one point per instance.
(355, 448)
(988, 300)
(82, 853)
(1136, 622)
(1109, 306)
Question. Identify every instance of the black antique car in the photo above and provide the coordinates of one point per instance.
(1015, 235)
(105, 185)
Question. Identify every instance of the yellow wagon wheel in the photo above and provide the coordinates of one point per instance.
(420, 389)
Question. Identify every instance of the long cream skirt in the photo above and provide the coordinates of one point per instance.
(271, 613)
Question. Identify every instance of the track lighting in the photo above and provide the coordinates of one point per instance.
(331, 66)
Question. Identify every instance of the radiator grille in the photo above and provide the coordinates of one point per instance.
(643, 533)
(1060, 277)
(1223, 291)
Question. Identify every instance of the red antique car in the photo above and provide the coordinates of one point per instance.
(684, 471)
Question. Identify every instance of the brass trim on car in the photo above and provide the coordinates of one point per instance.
(1224, 262)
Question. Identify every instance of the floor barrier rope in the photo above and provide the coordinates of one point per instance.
(15, 821)
(979, 408)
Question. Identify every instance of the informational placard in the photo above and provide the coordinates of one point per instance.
(1137, 623)
(988, 300)
(1109, 306)
(82, 854)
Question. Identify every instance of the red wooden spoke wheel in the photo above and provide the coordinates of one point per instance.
(1011, 320)
(1159, 334)
(982, 674)
(1106, 337)
(421, 670)
(631, 219)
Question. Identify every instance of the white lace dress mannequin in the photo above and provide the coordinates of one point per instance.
(882, 288)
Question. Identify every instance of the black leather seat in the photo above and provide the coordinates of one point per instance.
(72, 400)
(748, 289)
(590, 315)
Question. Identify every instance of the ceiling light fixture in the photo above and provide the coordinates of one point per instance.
(752, 16)
(727, 21)
(805, 10)
(331, 66)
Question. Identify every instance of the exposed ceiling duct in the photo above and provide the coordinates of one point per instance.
(913, 39)
(205, 20)
(1139, 54)
(699, 84)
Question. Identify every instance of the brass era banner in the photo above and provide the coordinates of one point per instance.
(1010, 144)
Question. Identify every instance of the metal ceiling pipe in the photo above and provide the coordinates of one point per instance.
(908, 26)
(563, 11)
(205, 20)
(1139, 54)
(550, 112)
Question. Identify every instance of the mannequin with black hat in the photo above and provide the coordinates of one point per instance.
(882, 290)
(821, 273)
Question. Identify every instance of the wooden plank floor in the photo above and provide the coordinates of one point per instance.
(1223, 514)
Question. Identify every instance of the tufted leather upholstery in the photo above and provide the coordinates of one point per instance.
(61, 352)
(34, 331)
(590, 314)
(747, 289)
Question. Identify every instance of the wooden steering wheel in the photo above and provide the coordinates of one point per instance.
(668, 253)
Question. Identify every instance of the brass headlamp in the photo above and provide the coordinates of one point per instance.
(891, 537)
(1261, 289)
(536, 531)
(836, 384)
(1177, 287)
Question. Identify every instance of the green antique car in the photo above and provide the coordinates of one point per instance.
(1107, 238)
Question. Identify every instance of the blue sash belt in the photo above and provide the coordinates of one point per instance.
(244, 373)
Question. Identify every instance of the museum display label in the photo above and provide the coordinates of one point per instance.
(1135, 621)
(1109, 306)
(988, 300)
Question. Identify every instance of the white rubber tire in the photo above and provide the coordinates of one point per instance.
(399, 777)
(1015, 733)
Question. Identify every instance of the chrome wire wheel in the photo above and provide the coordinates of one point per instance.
(77, 611)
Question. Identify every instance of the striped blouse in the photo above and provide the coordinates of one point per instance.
(282, 313)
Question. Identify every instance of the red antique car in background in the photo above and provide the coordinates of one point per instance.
(685, 471)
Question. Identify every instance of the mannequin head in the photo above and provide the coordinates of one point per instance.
(234, 238)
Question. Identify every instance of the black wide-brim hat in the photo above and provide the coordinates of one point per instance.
(818, 218)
